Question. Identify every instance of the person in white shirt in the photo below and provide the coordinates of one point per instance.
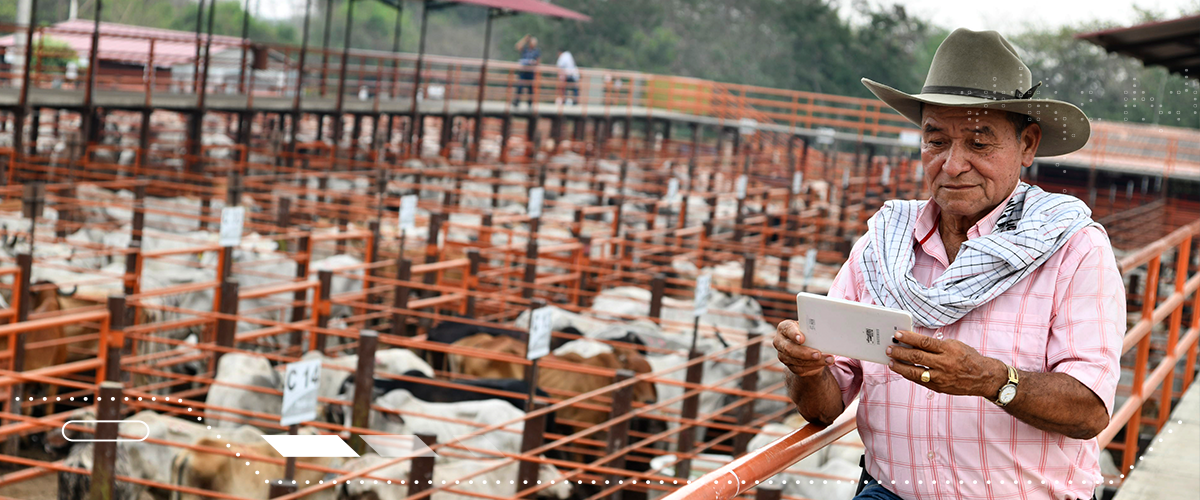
(568, 74)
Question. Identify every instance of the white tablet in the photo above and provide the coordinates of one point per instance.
(850, 329)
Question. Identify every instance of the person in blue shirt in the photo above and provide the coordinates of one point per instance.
(531, 56)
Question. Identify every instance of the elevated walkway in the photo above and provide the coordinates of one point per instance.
(1170, 468)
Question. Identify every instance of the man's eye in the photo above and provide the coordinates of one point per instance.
(980, 145)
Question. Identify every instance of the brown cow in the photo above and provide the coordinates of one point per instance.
(489, 368)
(231, 475)
(566, 384)
(557, 382)
(43, 301)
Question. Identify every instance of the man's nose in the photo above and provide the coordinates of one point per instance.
(957, 160)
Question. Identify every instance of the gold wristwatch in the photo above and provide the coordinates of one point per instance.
(1009, 390)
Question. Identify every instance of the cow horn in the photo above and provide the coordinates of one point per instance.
(71, 294)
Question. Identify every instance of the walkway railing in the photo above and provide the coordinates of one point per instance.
(1162, 315)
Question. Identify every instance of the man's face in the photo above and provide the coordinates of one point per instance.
(972, 157)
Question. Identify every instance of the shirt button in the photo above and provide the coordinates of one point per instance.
(931, 455)
(929, 395)
(938, 335)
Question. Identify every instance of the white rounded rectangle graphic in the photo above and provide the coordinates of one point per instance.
(63, 431)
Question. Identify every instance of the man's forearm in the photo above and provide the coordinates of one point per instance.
(817, 398)
(1057, 402)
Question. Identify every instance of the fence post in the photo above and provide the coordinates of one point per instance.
(300, 297)
(749, 384)
(431, 251)
(533, 436)
(364, 387)
(531, 257)
(283, 217)
(618, 434)
(226, 327)
(321, 310)
(768, 491)
(104, 458)
(420, 476)
(586, 253)
(691, 406)
(373, 252)
(116, 338)
(657, 288)
(748, 273)
(473, 276)
(400, 296)
(279, 489)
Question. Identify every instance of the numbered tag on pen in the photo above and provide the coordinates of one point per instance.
(232, 221)
(537, 196)
(408, 213)
(300, 383)
(540, 327)
(703, 292)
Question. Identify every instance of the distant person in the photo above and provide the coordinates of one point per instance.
(531, 56)
(568, 75)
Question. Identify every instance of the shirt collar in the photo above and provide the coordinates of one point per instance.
(927, 219)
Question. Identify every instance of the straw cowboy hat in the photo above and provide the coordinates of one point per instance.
(980, 69)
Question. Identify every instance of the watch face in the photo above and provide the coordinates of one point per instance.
(1007, 393)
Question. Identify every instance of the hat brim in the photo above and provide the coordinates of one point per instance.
(1064, 127)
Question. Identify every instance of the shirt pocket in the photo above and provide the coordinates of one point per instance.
(1016, 339)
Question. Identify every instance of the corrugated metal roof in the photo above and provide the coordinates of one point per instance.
(130, 44)
(1173, 44)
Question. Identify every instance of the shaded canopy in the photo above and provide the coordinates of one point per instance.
(1173, 44)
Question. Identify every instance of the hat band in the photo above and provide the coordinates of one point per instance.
(983, 94)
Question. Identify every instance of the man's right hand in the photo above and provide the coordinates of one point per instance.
(800, 360)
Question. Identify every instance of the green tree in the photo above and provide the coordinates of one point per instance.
(52, 54)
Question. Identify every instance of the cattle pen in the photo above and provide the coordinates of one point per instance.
(123, 303)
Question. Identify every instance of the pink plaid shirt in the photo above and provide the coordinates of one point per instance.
(1067, 317)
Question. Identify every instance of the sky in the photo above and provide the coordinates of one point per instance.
(1013, 15)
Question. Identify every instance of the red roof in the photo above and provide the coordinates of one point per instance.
(537, 7)
(130, 44)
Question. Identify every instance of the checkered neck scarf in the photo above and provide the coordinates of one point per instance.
(1032, 227)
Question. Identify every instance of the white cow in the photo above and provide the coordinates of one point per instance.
(420, 417)
(242, 369)
(496, 482)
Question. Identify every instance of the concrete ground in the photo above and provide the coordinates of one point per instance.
(1170, 468)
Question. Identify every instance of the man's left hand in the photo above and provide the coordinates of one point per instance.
(954, 368)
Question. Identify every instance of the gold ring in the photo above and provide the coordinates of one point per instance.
(925, 377)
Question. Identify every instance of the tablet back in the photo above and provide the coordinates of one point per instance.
(850, 329)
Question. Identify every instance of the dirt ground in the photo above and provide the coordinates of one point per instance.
(39, 488)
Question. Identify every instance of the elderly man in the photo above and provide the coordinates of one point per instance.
(1017, 302)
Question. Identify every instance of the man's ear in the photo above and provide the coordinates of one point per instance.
(1031, 137)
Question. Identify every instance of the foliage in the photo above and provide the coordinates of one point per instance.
(1106, 86)
(52, 54)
